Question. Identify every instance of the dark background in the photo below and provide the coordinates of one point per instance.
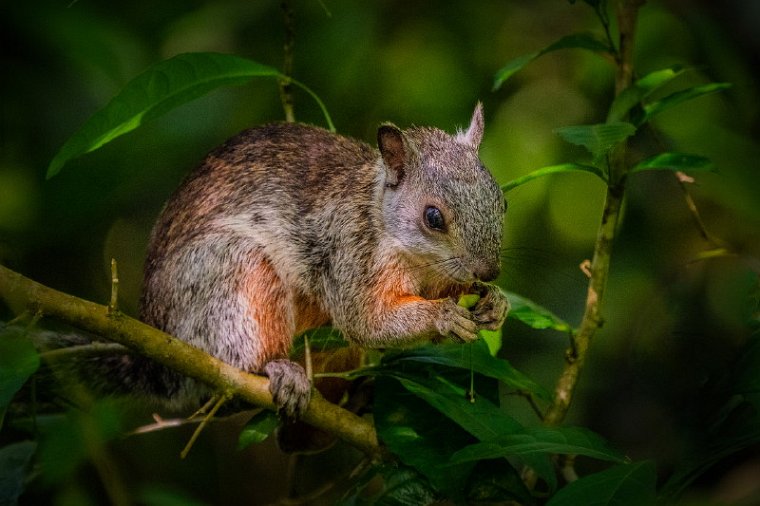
(673, 322)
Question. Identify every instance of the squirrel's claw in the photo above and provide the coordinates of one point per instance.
(289, 386)
(492, 308)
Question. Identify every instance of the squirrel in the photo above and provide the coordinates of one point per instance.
(288, 227)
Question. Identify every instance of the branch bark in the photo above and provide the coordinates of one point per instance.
(23, 294)
(627, 14)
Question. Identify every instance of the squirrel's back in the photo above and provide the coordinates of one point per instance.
(263, 181)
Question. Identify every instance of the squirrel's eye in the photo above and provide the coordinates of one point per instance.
(434, 218)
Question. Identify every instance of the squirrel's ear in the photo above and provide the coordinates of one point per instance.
(474, 133)
(390, 141)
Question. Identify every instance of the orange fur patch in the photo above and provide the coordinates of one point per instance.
(393, 287)
(270, 307)
(308, 314)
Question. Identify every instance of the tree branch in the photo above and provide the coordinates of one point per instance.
(600, 265)
(23, 294)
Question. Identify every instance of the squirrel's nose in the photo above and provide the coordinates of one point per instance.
(487, 272)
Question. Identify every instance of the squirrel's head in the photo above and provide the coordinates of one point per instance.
(440, 204)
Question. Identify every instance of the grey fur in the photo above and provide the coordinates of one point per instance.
(288, 226)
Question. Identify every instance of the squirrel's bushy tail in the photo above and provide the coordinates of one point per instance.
(109, 369)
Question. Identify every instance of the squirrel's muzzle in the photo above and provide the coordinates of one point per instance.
(487, 272)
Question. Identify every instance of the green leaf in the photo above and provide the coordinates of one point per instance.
(572, 41)
(639, 90)
(678, 97)
(623, 485)
(674, 161)
(320, 339)
(161, 88)
(14, 464)
(475, 357)
(497, 482)
(553, 169)
(419, 436)
(258, 429)
(597, 139)
(512, 67)
(18, 361)
(404, 487)
(658, 78)
(481, 418)
(534, 315)
(492, 338)
(541, 441)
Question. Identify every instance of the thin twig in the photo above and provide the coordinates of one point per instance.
(307, 358)
(684, 180)
(19, 318)
(220, 402)
(113, 306)
(161, 424)
(568, 468)
(205, 408)
(103, 462)
(696, 217)
(286, 86)
(84, 350)
(533, 404)
(601, 12)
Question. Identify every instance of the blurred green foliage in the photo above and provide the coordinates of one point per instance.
(677, 318)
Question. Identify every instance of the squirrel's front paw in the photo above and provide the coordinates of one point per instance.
(456, 322)
(492, 308)
(289, 386)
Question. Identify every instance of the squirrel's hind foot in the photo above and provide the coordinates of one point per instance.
(289, 386)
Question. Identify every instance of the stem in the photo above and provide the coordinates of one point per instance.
(223, 398)
(601, 12)
(286, 85)
(307, 358)
(113, 306)
(600, 265)
(328, 119)
(627, 15)
(592, 320)
(104, 464)
(83, 350)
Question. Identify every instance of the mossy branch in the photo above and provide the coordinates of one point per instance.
(627, 14)
(23, 294)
